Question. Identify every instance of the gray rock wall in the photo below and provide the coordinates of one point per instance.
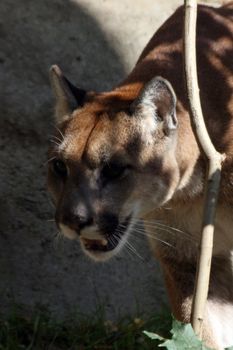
(96, 42)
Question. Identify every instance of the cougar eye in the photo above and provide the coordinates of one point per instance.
(113, 171)
(59, 167)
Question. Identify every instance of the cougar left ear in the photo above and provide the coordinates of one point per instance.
(158, 97)
(68, 97)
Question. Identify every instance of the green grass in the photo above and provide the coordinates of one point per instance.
(40, 332)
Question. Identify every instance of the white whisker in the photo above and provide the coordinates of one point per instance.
(48, 160)
(58, 238)
(163, 227)
(155, 237)
(56, 143)
(55, 138)
(63, 137)
(151, 223)
(153, 229)
(131, 247)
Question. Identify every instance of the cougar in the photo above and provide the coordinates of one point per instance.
(130, 154)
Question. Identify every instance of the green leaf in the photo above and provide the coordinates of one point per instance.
(154, 336)
(183, 337)
(230, 348)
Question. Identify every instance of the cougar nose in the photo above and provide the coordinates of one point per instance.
(76, 222)
(83, 222)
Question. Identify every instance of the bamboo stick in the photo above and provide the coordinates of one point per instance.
(214, 159)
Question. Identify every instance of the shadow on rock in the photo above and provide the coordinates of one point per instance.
(33, 36)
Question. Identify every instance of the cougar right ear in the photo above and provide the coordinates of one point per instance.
(68, 97)
(157, 100)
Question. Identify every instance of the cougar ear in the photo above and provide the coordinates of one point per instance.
(68, 97)
(158, 98)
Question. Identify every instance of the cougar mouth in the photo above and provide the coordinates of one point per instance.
(109, 242)
(96, 244)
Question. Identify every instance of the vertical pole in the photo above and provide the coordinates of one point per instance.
(214, 160)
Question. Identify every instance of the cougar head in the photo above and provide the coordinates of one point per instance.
(112, 160)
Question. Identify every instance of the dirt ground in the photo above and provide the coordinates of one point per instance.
(96, 43)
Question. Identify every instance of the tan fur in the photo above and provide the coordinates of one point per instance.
(163, 170)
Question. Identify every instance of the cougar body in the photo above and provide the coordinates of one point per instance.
(131, 153)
